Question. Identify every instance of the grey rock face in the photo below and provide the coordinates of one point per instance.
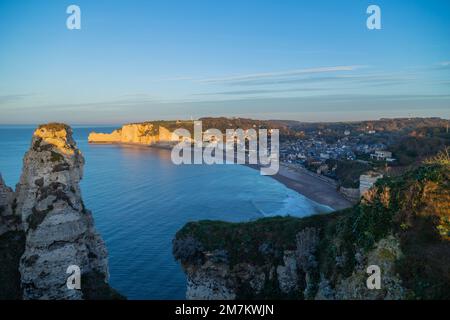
(8, 220)
(287, 273)
(12, 244)
(59, 230)
(210, 282)
(307, 241)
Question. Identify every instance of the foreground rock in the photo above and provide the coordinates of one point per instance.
(58, 230)
(12, 245)
(9, 221)
(402, 225)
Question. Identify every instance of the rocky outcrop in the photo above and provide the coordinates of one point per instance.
(209, 276)
(9, 221)
(146, 133)
(385, 254)
(287, 273)
(58, 229)
(401, 226)
(12, 245)
(295, 276)
(307, 242)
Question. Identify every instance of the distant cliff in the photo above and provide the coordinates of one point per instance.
(160, 132)
(12, 245)
(402, 225)
(45, 224)
(147, 133)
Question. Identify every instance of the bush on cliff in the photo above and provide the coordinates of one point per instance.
(413, 209)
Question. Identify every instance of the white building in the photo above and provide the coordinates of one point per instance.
(324, 156)
(381, 155)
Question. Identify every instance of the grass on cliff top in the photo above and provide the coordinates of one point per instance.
(54, 126)
(415, 207)
(246, 241)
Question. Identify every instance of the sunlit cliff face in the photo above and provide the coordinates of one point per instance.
(58, 135)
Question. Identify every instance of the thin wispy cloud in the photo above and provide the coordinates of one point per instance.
(379, 79)
(8, 98)
(260, 91)
(444, 65)
(278, 75)
(170, 79)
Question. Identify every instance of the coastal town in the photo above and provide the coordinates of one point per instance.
(323, 158)
(347, 158)
(353, 157)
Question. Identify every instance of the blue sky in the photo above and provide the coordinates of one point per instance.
(142, 60)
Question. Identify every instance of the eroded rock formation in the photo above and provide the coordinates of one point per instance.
(8, 220)
(12, 244)
(401, 226)
(58, 229)
(146, 133)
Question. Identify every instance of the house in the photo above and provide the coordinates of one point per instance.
(381, 155)
(324, 156)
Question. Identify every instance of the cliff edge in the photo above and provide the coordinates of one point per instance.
(12, 245)
(402, 225)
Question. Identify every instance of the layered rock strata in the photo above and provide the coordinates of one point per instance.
(146, 133)
(58, 230)
(401, 227)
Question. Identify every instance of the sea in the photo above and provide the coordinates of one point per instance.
(140, 199)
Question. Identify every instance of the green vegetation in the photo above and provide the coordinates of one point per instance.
(54, 126)
(56, 157)
(348, 172)
(222, 124)
(397, 125)
(413, 207)
(37, 144)
(413, 149)
(243, 241)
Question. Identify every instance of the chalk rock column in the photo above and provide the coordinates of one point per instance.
(59, 230)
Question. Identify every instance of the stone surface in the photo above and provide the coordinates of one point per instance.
(210, 282)
(9, 221)
(211, 276)
(59, 230)
(287, 273)
(145, 133)
(12, 245)
(401, 225)
(385, 254)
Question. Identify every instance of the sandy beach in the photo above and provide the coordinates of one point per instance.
(298, 179)
(311, 186)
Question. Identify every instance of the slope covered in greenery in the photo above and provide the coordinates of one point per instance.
(401, 224)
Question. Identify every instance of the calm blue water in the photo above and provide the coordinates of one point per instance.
(139, 200)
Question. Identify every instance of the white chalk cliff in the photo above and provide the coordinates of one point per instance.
(59, 231)
(146, 133)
